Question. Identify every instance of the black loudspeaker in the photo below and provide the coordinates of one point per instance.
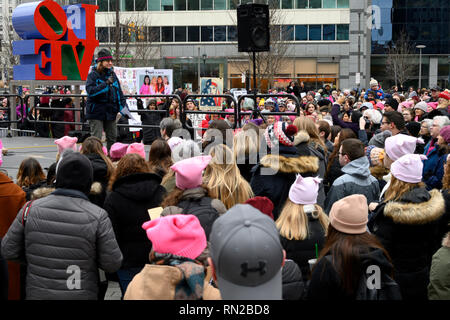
(253, 27)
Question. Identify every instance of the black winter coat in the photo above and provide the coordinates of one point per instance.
(326, 283)
(98, 191)
(104, 101)
(246, 167)
(29, 190)
(150, 118)
(293, 285)
(408, 230)
(302, 250)
(127, 206)
(4, 278)
(334, 173)
(283, 169)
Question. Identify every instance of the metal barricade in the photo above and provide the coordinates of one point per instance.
(11, 114)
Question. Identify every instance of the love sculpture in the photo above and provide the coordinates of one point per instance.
(58, 42)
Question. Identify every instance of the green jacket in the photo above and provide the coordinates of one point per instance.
(439, 287)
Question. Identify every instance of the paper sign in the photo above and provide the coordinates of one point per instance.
(155, 213)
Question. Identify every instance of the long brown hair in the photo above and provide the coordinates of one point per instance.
(94, 145)
(345, 250)
(446, 178)
(398, 188)
(129, 164)
(344, 134)
(305, 123)
(160, 156)
(30, 172)
(174, 197)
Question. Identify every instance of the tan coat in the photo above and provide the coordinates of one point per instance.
(158, 282)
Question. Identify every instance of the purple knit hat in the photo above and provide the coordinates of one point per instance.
(445, 133)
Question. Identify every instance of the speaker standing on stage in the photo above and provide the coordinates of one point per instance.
(105, 98)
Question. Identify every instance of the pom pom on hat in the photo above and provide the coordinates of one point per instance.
(136, 148)
(180, 235)
(188, 172)
(291, 130)
(66, 142)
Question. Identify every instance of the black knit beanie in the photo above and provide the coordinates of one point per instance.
(74, 171)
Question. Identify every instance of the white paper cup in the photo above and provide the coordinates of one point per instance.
(312, 262)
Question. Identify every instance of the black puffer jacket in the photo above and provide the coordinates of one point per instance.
(408, 229)
(293, 285)
(279, 174)
(127, 206)
(302, 250)
(149, 118)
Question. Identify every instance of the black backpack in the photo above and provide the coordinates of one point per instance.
(203, 210)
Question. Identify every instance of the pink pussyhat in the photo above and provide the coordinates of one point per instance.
(179, 234)
(66, 142)
(304, 190)
(400, 144)
(105, 151)
(188, 172)
(228, 115)
(408, 168)
(136, 148)
(118, 150)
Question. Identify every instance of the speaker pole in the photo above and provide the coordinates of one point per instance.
(256, 111)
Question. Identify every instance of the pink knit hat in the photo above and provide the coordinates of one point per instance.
(136, 148)
(445, 133)
(408, 168)
(118, 150)
(350, 214)
(304, 190)
(188, 172)
(400, 144)
(105, 151)
(66, 142)
(178, 234)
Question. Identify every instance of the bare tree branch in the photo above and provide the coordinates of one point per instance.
(398, 60)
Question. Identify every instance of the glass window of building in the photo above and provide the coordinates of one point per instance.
(220, 4)
(112, 34)
(232, 4)
(315, 32)
(140, 5)
(287, 33)
(167, 34)
(102, 34)
(112, 5)
(301, 4)
(166, 5)
(207, 34)
(180, 34)
(220, 33)
(329, 3)
(274, 4)
(342, 4)
(287, 4)
(154, 34)
(315, 4)
(102, 5)
(342, 32)
(193, 4)
(180, 5)
(153, 5)
(301, 32)
(329, 32)
(232, 33)
(194, 34)
(207, 4)
(275, 32)
(129, 5)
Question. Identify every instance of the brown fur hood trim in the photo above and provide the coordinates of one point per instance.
(96, 188)
(300, 137)
(301, 164)
(446, 241)
(416, 213)
(41, 193)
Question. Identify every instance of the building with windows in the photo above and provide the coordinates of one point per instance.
(199, 38)
(424, 22)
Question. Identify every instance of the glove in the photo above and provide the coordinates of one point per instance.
(110, 80)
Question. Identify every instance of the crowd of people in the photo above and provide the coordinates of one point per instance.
(347, 201)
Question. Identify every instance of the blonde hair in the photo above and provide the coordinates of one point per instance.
(245, 143)
(293, 221)
(305, 123)
(223, 178)
(398, 188)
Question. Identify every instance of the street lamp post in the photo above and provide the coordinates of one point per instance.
(420, 47)
(204, 63)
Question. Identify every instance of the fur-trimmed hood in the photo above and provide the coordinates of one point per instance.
(300, 137)
(446, 241)
(301, 164)
(41, 192)
(416, 213)
(96, 188)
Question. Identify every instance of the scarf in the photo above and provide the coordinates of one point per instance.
(191, 285)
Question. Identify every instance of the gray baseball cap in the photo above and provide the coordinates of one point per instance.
(247, 254)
